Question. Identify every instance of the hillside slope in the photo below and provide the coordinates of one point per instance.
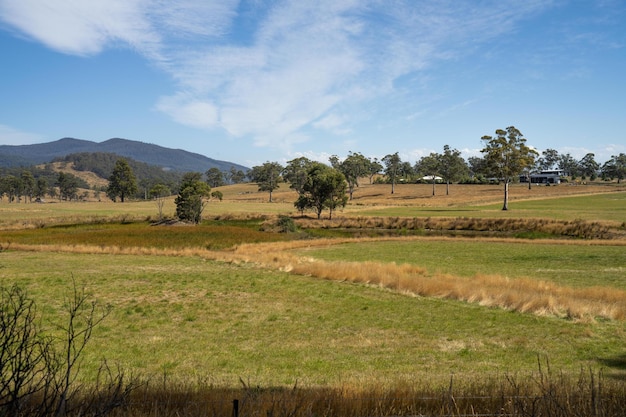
(171, 159)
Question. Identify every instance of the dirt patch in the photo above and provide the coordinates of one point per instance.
(89, 177)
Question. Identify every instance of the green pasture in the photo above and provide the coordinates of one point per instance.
(597, 207)
(576, 265)
(193, 319)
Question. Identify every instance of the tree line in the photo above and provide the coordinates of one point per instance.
(35, 183)
(505, 156)
(319, 186)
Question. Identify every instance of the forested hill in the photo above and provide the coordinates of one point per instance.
(165, 158)
(103, 163)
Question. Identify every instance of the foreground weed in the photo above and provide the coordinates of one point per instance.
(539, 394)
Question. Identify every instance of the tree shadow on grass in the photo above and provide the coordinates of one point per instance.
(616, 364)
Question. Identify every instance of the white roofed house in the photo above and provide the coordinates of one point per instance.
(543, 177)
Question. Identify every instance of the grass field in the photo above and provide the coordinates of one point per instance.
(593, 202)
(202, 320)
(225, 300)
(565, 263)
(597, 207)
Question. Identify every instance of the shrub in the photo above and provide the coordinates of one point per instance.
(38, 380)
(286, 224)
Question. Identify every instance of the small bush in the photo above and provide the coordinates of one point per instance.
(286, 224)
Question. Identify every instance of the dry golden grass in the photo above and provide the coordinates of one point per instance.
(574, 228)
(494, 291)
(535, 395)
(522, 295)
(89, 177)
(420, 195)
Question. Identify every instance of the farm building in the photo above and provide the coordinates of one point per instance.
(544, 177)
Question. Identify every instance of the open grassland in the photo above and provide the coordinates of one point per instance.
(576, 264)
(608, 206)
(375, 322)
(528, 295)
(193, 319)
(590, 202)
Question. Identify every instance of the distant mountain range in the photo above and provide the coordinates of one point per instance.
(166, 158)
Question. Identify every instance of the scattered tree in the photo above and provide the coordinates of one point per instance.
(52, 192)
(24, 354)
(41, 188)
(569, 165)
(392, 166)
(589, 167)
(122, 182)
(429, 166)
(68, 186)
(236, 176)
(548, 160)
(477, 166)
(452, 166)
(325, 188)
(406, 171)
(39, 373)
(353, 167)
(158, 193)
(214, 177)
(615, 168)
(507, 155)
(12, 186)
(296, 172)
(267, 176)
(28, 185)
(191, 199)
(374, 168)
(217, 195)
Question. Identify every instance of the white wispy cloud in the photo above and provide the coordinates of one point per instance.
(299, 66)
(333, 123)
(305, 60)
(80, 27)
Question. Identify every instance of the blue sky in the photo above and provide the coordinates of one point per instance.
(270, 80)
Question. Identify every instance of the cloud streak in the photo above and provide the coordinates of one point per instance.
(82, 28)
(270, 70)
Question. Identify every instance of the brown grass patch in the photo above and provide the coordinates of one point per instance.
(573, 228)
(543, 393)
(420, 195)
(89, 177)
(522, 295)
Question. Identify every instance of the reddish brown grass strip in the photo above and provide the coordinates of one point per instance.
(566, 228)
(523, 295)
